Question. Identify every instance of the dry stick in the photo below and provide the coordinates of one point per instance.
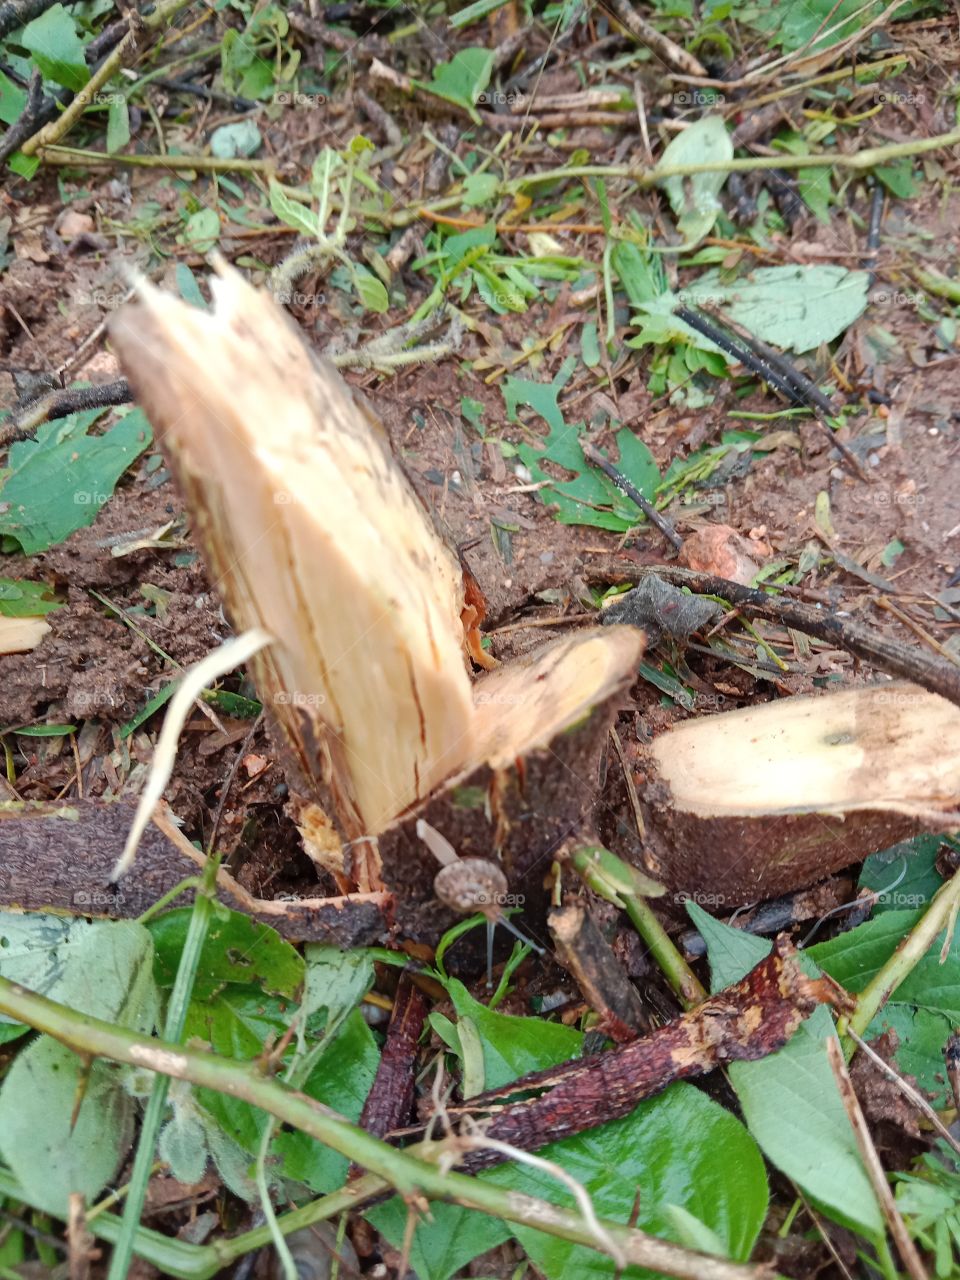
(875, 1172)
(57, 404)
(910, 664)
(594, 455)
(658, 43)
(585, 953)
(17, 13)
(401, 1170)
(779, 373)
(907, 1089)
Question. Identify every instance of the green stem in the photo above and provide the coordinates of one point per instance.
(202, 164)
(647, 177)
(410, 1174)
(156, 1103)
(676, 970)
(903, 961)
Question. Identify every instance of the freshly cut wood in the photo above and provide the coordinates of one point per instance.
(310, 530)
(21, 635)
(754, 803)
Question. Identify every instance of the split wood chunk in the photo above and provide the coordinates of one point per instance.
(310, 529)
(21, 635)
(752, 804)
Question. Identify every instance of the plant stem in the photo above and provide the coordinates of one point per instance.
(410, 1174)
(172, 1030)
(676, 970)
(202, 164)
(647, 177)
(58, 128)
(903, 961)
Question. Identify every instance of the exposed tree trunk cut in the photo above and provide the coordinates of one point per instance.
(310, 530)
(751, 804)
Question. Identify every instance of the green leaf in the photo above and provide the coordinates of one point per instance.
(590, 345)
(22, 599)
(52, 39)
(189, 287)
(49, 1158)
(679, 1151)
(58, 482)
(695, 199)
(905, 876)
(237, 949)
(13, 100)
(793, 308)
(479, 188)
(513, 1046)
(462, 79)
(118, 123)
(292, 212)
(239, 1022)
(25, 166)
(898, 179)
(242, 138)
(790, 1100)
(372, 292)
(101, 969)
(202, 231)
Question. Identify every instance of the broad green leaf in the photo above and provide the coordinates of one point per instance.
(793, 308)
(202, 230)
(52, 39)
(58, 482)
(242, 138)
(22, 599)
(479, 188)
(905, 877)
(118, 123)
(237, 949)
(679, 1151)
(815, 25)
(292, 212)
(335, 980)
(48, 1157)
(513, 1046)
(372, 291)
(924, 1009)
(101, 969)
(189, 287)
(695, 198)
(641, 274)
(13, 100)
(239, 1022)
(790, 1100)
(462, 79)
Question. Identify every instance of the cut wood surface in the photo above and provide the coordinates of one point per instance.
(310, 530)
(753, 803)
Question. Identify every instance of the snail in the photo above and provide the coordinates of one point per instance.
(468, 885)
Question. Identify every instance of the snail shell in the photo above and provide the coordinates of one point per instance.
(471, 884)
